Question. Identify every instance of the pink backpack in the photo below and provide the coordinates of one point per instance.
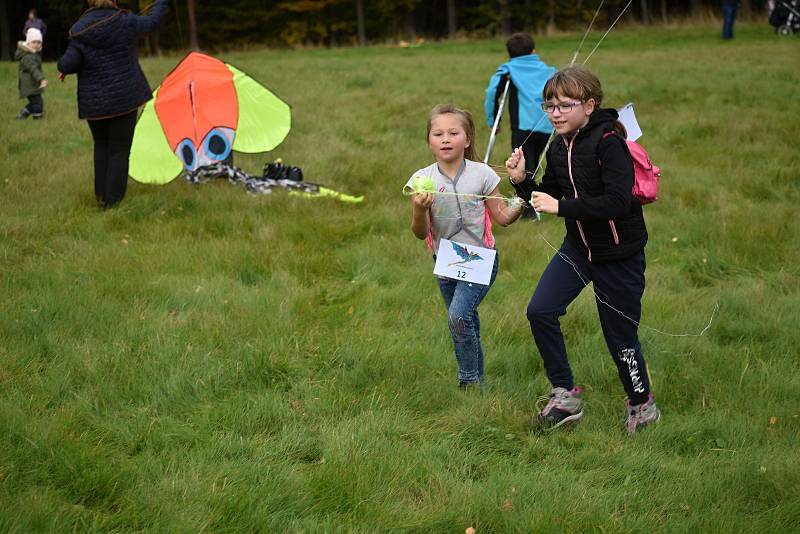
(645, 174)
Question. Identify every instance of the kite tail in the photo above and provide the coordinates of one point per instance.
(259, 185)
(325, 192)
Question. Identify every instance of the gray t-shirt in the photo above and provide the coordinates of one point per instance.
(460, 218)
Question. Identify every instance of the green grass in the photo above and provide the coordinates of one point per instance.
(204, 360)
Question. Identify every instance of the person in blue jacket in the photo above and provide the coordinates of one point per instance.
(111, 86)
(530, 128)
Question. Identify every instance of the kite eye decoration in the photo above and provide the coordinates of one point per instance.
(217, 144)
(187, 153)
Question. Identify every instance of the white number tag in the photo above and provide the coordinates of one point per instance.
(464, 262)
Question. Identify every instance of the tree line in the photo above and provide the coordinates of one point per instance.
(240, 23)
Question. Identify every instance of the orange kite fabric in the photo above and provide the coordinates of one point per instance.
(196, 97)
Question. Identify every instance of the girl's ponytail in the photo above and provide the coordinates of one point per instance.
(619, 128)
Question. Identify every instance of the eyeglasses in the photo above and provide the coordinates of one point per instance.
(566, 107)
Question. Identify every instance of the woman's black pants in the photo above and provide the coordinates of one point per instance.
(112, 148)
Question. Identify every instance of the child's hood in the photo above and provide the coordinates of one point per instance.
(600, 116)
(23, 50)
(98, 28)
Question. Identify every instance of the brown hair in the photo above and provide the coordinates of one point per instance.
(581, 84)
(102, 3)
(574, 82)
(466, 122)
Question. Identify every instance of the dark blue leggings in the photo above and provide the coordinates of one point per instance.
(619, 284)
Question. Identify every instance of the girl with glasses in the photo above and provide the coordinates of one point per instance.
(588, 182)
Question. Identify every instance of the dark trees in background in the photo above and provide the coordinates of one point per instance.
(5, 29)
(362, 32)
(645, 12)
(451, 18)
(232, 24)
(194, 44)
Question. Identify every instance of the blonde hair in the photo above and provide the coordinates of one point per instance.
(466, 122)
(102, 3)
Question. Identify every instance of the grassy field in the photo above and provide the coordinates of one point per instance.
(203, 360)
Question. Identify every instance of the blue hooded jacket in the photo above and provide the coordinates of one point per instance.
(528, 75)
(102, 52)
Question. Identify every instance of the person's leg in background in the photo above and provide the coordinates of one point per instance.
(729, 17)
(35, 106)
(99, 129)
(120, 139)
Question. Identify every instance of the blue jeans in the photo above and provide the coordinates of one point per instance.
(462, 300)
(729, 16)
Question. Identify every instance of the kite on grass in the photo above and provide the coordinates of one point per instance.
(202, 111)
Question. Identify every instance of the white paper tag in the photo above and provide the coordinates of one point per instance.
(467, 263)
(628, 119)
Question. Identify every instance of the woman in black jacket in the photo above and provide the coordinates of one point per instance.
(111, 86)
(588, 181)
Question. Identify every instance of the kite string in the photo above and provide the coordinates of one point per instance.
(586, 33)
(608, 31)
(508, 200)
(574, 58)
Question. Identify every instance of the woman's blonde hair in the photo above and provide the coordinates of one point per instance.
(102, 3)
(466, 122)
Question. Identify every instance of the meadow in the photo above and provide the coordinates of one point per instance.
(203, 360)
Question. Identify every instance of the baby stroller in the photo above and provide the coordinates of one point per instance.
(785, 16)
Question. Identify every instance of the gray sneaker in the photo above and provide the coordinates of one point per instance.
(641, 415)
(563, 408)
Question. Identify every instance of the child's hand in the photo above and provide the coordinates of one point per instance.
(61, 76)
(422, 201)
(515, 165)
(42, 84)
(544, 203)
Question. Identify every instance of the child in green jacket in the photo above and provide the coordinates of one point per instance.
(31, 77)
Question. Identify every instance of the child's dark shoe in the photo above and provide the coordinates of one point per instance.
(642, 415)
(564, 407)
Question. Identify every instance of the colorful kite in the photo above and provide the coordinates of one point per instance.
(203, 110)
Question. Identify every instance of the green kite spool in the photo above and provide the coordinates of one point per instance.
(424, 184)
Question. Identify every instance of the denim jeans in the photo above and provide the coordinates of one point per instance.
(729, 16)
(462, 300)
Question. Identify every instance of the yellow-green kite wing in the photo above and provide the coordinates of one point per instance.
(264, 119)
(152, 161)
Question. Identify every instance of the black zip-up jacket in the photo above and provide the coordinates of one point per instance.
(592, 176)
(102, 52)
